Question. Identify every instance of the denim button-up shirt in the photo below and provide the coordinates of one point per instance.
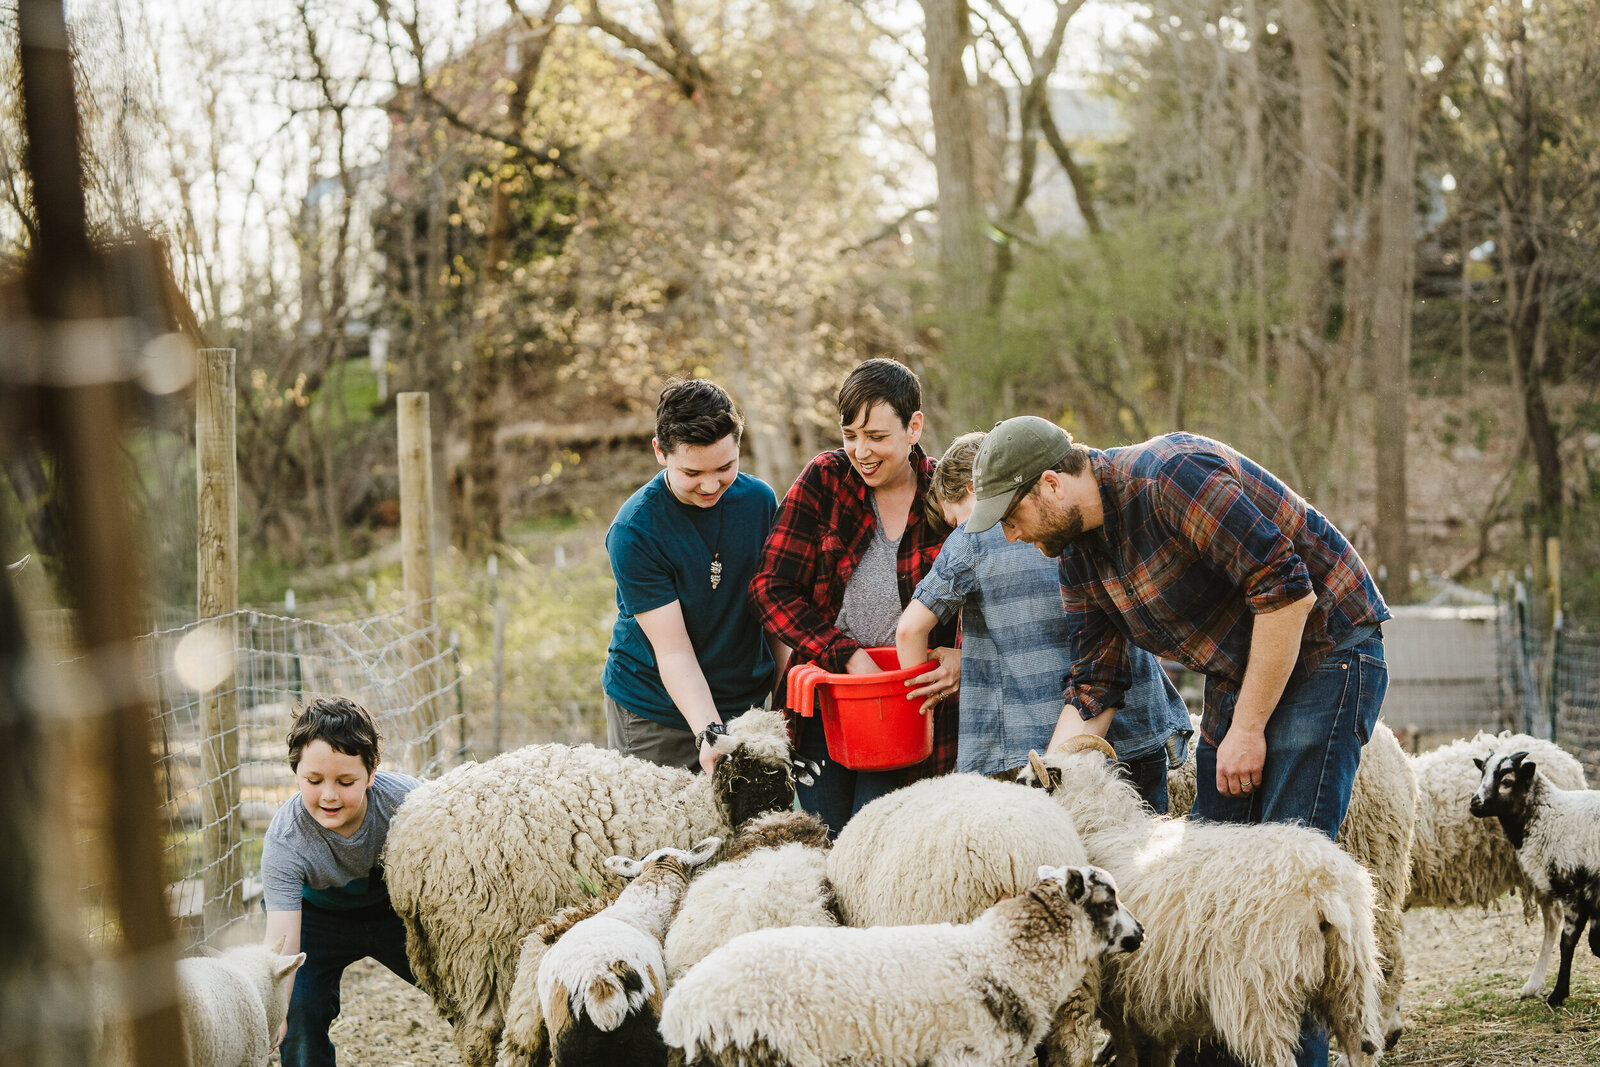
(1014, 658)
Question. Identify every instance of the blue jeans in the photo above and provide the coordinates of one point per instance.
(1314, 740)
(837, 792)
(1148, 773)
(333, 940)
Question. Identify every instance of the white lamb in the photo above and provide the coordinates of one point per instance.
(601, 985)
(232, 1005)
(981, 840)
(479, 856)
(1556, 833)
(773, 871)
(1462, 862)
(1247, 927)
(1379, 831)
(941, 995)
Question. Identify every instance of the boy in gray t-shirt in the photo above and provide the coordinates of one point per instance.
(321, 875)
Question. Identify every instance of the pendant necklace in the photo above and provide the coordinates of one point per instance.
(716, 550)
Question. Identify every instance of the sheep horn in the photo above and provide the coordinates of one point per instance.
(1040, 771)
(1087, 743)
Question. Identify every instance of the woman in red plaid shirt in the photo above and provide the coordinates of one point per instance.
(848, 547)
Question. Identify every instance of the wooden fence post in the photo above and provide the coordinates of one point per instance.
(416, 554)
(216, 459)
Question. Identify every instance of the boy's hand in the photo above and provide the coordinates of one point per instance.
(283, 1030)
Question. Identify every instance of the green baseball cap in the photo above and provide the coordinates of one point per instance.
(1014, 453)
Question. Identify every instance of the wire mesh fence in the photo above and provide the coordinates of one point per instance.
(219, 787)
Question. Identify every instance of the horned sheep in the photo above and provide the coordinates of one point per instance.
(1556, 834)
(1248, 928)
(982, 992)
(1380, 831)
(479, 856)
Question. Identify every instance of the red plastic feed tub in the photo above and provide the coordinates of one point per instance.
(869, 723)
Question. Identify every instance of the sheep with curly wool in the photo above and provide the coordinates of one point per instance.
(1379, 831)
(773, 871)
(978, 993)
(1248, 928)
(479, 856)
(981, 840)
(1462, 862)
(1556, 834)
(600, 985)
(231, 1005)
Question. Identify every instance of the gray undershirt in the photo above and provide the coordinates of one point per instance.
(871, 607)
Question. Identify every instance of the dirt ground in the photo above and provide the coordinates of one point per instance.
(1464, 969)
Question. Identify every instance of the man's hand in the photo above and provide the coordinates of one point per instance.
(1240, 759)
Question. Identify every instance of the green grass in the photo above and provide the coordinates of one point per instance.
(1481, 1021)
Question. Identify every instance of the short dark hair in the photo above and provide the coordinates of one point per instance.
(342, 723)
(880, 380)
(695, 412)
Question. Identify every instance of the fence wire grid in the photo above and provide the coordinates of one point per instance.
(218, 790)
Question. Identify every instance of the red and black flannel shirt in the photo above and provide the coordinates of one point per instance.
(1198, 539)
(821, 531)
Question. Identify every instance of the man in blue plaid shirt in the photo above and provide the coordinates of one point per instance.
(1187, 548)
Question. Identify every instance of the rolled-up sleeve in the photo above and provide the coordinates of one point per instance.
(783, 586)
(1204, 499)
(1100, 676)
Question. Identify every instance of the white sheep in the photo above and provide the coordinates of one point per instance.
(1248, 928)
(1379, 831)
(942, 994)
(231, 1004)
(1556, 834)
(980, 840)
(601, 984)
(479, 856)
(1462, 862)
(773, 871)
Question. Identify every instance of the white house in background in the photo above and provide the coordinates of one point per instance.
(1086, 120)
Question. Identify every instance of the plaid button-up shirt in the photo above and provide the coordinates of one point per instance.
(821, 531)
(1197, 540)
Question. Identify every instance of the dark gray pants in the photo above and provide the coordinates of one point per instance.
(634, 735)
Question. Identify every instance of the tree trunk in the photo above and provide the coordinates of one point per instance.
(961, 254)
(1525, 275)
(1391, 312)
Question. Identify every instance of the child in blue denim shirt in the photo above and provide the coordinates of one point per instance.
(1013, 655)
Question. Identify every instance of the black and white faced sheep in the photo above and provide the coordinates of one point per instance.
(1247, 928)
(1556, 833)
(601, 984)
(479, 856)
(1380, 829)
(979, 993)
(1462, 862)
(773, 871)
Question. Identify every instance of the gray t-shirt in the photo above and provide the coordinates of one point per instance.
(870, 611)
(302, 860)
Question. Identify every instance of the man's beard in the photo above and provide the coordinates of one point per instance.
(1066, 526)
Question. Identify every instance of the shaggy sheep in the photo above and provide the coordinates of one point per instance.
(983, 840)
(1556, 833)
(773, 871)
(1247, 927)
(1462, 862)
(1378, 831)
(232, 1005)
(980, 993)
(479, 856)
(600, 985)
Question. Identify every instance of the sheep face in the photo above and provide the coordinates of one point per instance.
(1113, 927)
(677, 859)
(746, 784)
(1505, 792)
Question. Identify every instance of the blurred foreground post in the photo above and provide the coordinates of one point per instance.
(216, 470)
(73, 386)
(416, 554)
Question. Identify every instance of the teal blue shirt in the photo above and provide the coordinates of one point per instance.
(661, 551)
